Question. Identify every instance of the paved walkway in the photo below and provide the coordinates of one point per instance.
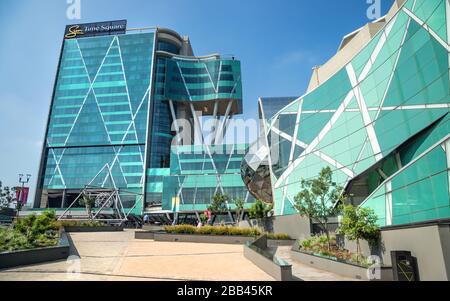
(306, 273)
(118, 256)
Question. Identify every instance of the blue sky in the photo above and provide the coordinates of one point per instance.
(278, 42)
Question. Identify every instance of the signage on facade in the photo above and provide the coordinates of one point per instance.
(95, 29)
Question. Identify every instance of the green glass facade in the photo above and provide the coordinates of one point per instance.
(98, 118)
(196, 177)
(381, 123)
(114, 104)
(184, 80)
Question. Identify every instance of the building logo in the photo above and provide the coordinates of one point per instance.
(95, 29)
(74, 31)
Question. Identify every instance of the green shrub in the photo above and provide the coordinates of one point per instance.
(280, 236)
(318, 245)
(93, 224)
(222, 231)
(11, 240)
(181, 229)
(260, 210)
(30, 232)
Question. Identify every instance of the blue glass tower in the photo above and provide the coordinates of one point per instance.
(116, 97)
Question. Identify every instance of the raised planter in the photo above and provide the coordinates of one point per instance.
(208, 239)
(35, 256)
(263, 256)
(75, 229)
(339, 267)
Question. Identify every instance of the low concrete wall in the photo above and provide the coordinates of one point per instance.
(207, 239)
(429, 244)
(261, 255)
(144, 235)
(340, 268)
(35, 256)
(93, 229)
(295, 226)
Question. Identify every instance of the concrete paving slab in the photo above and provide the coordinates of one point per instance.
(118, 256)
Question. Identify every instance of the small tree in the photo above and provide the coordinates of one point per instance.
(7, 196)
(89, 203)
(318, 198)
(260, 210)
(219, 204)
(240, 209)
(359, 224)
(203, 218)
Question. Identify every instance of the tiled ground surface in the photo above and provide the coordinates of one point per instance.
(118, 256)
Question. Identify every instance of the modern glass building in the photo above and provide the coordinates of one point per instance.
(196, 177)
(268, 107)
(112, 121)
(377, 114)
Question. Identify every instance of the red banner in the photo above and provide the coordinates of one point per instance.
(22, 198)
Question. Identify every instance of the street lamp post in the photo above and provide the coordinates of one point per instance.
(22, 180)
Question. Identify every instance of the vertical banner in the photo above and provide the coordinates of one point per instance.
(22, 198)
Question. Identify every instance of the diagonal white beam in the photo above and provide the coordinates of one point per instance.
(90, 87)
(116, 158)
(427, 28)
(365, 113)
(57, 166)
(129, 98)
(447, 14)
(221, 131)
(310, 149)
(184, 81)
(297, 126)
(317, 153)
(381, 107)
(377, 50)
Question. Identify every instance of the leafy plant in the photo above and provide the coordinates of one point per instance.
(203, 218)
(260, 210)
(89, 203)
(93, 224)
(317, 199)
(181, 229)
(219, 204)
(30, 232)
(278, 236)
(223, 231)
(7, 196)
(359, 224)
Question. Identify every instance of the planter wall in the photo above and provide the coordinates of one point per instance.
(208, 239)
(340, 268)
(260, 254)
(430, 244)
(144, 235)
(35, 256)
(75, 229)
(432, 250)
